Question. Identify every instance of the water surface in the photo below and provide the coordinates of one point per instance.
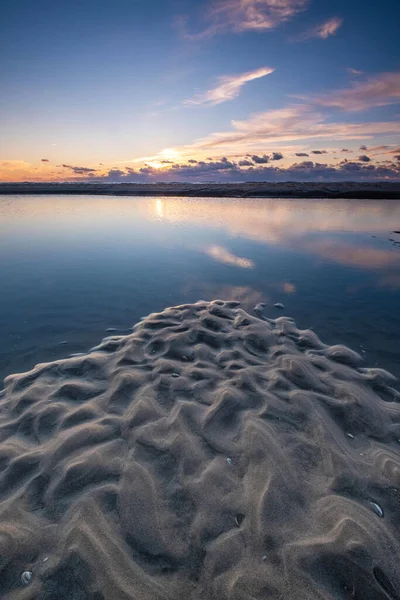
(74, 266)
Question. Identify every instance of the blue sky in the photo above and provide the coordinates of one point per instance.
(114, 90)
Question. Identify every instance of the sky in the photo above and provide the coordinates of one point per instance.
(199, 90)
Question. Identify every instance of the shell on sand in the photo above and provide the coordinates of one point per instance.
(118, 470)
(26, 577)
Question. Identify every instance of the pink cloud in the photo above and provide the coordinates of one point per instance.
(380, 90)
(323, 31)
(249, 15)
(229, 87)
(299, 122)
(328, 28)
(365, 258)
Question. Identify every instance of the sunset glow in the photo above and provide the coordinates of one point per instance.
(220, 90)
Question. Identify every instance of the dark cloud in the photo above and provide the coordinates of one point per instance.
(319, 152)
(397, 157)
(80, 170)
(364, 158)
(116, 173)
(147, 170)
(192, 161)
(260, 160)
(306, 164)
(245, 163)
(363, 148)
(346, 150)
(44, 160)
(224, 171)
(302, 154)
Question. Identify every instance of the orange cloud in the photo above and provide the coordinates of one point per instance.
(20, 170)
(16, 170)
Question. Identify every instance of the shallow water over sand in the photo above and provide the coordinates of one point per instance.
(209, 452)
(74, 266)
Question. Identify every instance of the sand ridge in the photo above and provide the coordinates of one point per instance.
(210, 454)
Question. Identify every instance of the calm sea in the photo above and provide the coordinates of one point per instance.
(73, 267)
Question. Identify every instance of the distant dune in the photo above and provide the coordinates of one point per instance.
(208, 455)
(367, 190)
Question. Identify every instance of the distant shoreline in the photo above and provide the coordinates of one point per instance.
(347, 190)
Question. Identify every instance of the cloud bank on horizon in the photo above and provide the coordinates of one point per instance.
(190, 102)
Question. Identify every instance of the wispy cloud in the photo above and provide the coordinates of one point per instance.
(328, 28)
(248, 15)
(323, 30)
(229, 87)
(354, 71)
(381, 90)
(294, 123)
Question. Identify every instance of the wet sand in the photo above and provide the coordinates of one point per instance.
(287, 189)
(210, 454)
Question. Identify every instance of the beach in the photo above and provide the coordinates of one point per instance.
(373, 190)
(209, 454)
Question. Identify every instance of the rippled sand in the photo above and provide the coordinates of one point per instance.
(208, 455)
